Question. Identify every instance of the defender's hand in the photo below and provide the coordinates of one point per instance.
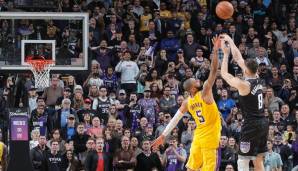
(159, 141)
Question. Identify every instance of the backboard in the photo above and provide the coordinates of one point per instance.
(62, 37)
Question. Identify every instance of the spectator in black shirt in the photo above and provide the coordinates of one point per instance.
(38, 154)
(147, 160)
(80, 139)
(86, 109)
(54, 159)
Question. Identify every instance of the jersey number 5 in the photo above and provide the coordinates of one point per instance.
(200, 116)
(260, 101)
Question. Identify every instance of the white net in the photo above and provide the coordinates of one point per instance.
(41, 72)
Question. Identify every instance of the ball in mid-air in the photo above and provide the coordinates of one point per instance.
(224, 10)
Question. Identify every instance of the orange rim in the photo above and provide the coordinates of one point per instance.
(39, 65)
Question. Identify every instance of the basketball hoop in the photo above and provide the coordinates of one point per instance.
(41, 71)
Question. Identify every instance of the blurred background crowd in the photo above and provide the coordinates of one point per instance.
(140, 53)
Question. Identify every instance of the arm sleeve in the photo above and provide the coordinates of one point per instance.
(118, 67)
(173, 123)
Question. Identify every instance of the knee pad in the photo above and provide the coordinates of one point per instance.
(243, 164)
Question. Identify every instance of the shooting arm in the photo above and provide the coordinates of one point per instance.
(175, 119)
(237, 56)
(241, 85)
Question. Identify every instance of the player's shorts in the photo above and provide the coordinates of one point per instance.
(205, 159)
(253, 137)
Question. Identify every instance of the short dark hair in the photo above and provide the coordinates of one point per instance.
(252, 65)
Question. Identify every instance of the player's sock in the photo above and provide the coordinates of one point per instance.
(243, 164)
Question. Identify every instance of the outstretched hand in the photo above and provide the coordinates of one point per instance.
(159, 141)
(225, 45)
(216, 42)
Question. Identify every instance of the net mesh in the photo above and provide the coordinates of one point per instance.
(41, 72)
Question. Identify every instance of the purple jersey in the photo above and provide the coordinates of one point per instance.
(149, 106)
(172, 161)
(40, 124)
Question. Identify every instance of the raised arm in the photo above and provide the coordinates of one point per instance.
(237, 56)
(240, 85)
(207, 87)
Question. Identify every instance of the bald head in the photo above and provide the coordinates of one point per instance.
(189, 83)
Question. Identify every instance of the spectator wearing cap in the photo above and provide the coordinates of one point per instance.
(149, 106)
(86, 109)
(69, 130)
(171, 44)
(62, 114)
(52, 93)
(121, 102)
(180, 64)
(66, 95)
(167, 101)
(129, 70)
(102, 104)
(190, 47)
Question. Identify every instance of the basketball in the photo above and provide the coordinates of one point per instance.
(224, 10)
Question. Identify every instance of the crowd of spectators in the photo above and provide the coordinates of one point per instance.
(140, 53)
